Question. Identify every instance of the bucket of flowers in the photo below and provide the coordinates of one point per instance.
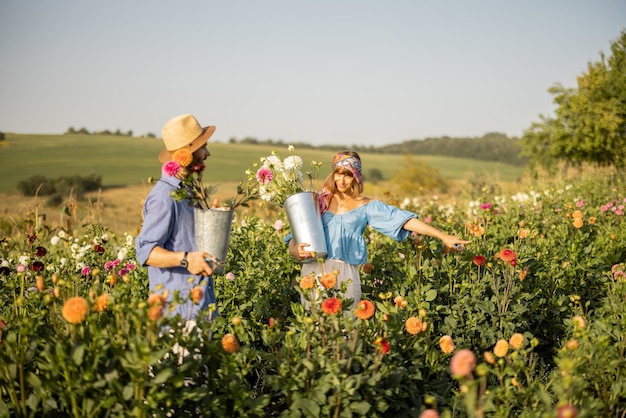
(212, 219)
(281, 182)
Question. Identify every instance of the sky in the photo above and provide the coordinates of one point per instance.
(320, 72)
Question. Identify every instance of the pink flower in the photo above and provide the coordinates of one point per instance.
(580, 203)
(230, 276)
(486, 206)
(264, 175)
(604, 208)
(85, 271)
(428, 219)
(21, 268)
(109, 265)
(171, 168)
(131, 266)
(429, 413)
(278, 225)
(463, 363)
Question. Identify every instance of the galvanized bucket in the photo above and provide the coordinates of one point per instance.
(305, 219)
(212, 232)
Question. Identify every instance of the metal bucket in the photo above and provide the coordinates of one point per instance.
(212, 232)
(305, 219)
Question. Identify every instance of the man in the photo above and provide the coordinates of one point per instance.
(166, 243)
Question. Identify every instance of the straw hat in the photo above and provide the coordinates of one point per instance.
(183, 131)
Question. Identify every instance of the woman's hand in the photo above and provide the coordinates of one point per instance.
(453, 243)
(298, 252)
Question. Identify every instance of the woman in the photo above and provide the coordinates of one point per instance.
(346, 214)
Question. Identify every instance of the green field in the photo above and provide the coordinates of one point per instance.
(125, 161)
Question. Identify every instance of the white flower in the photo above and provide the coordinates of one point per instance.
(61, 234)
(273, 163)
(290, 148)
(55, 240)
(129, 239)
(62, 261)
(122, 253)
(292, 163)
(23, 259)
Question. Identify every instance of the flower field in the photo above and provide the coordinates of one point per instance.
(528, 321)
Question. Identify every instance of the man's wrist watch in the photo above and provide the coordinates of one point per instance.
(183, 262)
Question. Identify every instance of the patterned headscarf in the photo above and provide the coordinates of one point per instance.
(351, 163)
(339, 160)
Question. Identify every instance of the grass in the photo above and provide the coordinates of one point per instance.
(130, 161)
(126, 164)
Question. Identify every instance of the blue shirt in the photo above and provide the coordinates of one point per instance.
(169, 224)
(344, 232)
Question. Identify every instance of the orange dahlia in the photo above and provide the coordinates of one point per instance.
(183, 156)
(368, 267)
(578, 223)
(446, 344)
(508, 256)
(572, 344)
(230, 343)
(577, 214)
(516, 341)
(501, 348)
(75, 310)
(307, 282)
(101, 302)
(462, 363)
(489, 358)
(331, 306)
(39, 282)
(155, 312)
(196, 294)
(413, 325)
(364, 309)
(156, 299)
(328, 280)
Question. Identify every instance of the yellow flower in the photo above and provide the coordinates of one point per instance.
(516, 341)
(523, 233)
(446, 344)
(413, 325)
(579, 322)
(501, 348)
(183, 156)
(75, 310)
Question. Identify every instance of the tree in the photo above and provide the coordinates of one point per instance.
(418, 176)
(590, 121)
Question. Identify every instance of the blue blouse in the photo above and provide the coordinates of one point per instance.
(344, 232)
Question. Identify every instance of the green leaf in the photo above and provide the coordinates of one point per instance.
(430, 295)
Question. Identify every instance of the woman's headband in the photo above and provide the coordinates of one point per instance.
(351, 163)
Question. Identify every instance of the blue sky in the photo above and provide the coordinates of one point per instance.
(322, 72)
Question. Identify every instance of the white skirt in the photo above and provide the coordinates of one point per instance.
(348, 274)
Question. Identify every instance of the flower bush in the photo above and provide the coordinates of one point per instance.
(434, 335)
(280, 178)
